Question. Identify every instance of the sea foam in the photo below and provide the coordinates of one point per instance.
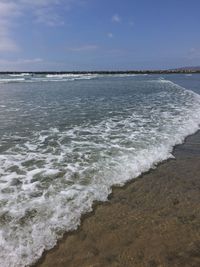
(52, 177)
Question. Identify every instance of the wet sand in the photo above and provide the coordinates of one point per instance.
(152, 221)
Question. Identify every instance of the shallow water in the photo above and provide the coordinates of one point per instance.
(65, 140)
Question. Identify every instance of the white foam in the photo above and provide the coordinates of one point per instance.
(19, 74)
(70, 77)
(59, 173)
(63, 75)
(29, 78)
(5, 80)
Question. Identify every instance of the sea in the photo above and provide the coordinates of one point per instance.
(66, 139)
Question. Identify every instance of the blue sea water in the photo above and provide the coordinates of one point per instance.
(65, 140)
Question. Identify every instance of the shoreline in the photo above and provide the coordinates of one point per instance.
(104, 72)
(157, 200)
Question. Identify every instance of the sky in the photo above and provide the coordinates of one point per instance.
(75, 35)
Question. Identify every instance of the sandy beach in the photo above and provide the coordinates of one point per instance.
(152, 221)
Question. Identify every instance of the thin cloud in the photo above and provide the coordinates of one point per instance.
(45, 11)
(110, 35)
(42, 11)
(25, 61)
(84, 48)
(7, 44)
(8, 8)
(39, 2)
(20, 64)
(116, 18)
(31, 64)
(193, 53)
(21, 61)
(48, 17)
(8, 12)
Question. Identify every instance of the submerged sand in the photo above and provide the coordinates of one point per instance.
(152, 221)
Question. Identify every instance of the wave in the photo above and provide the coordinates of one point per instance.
(28, 77)
(45, 78)
(60, 173)
(16, 80)
(19, 74)
(70, 75)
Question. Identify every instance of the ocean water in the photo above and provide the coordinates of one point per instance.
(65, 140)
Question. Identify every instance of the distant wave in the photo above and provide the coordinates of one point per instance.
(19, 74)
(28, 77)
(13, 80)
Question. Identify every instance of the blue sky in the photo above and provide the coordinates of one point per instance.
(98, 34)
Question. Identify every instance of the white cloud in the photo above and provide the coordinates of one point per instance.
(42, 11)
(8, 11)
(8, 8)
(45, 11)
(48, 17)
(116, 18)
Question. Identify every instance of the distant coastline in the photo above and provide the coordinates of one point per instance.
(191, 70)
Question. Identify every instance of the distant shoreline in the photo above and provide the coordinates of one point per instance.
(185, 71)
